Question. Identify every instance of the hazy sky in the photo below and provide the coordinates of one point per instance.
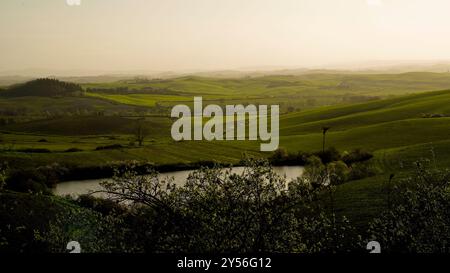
(120, 35)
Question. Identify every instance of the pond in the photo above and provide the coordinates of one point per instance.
(76, 188)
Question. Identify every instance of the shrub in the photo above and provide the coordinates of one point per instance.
(360, 170)
(27, 180)
(109, 147)
(52, 173)
(282, 157)
(219, 211)
(104, 206)
(37, 180)
(21, 215)
(357, 155)
(94, 232)
(73, 150)
(329, 155)
(34, 150)
(279, 156)
(416, 218)
(315, 172)
(338, 172)
(3, 169)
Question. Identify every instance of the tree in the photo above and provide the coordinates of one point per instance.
(324, 132)
(141, 131)
(2, 176)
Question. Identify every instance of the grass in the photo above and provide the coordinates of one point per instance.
(362, 200)
(376, 126)
(163, 152)
(307, 84)
(351, 116)
(148, 100)
(290, 92)
(374, 137)
(90, 125)
(393, 128)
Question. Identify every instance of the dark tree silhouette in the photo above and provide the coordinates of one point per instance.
(324, 132)
(141, 132)
(42, 87)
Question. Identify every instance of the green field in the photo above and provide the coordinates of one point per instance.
(291, 92)
(399, 118)
(375, 126)
(307, 84)
(147, 100)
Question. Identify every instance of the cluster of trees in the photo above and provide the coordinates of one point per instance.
(43, 87)
(37, 180)
(356, 162)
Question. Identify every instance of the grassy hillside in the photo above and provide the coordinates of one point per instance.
(380, 126)
(148, 100)
(290, 92)
(31, 108)
(398, 130)
(340, 118)
(108, 117)
(375, 84)
(90, 125)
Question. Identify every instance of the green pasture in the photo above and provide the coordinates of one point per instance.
(397, 117)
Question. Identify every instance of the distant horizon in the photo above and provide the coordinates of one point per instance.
(365, 66)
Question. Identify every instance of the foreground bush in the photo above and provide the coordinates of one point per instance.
(417, 216)
(218, 211)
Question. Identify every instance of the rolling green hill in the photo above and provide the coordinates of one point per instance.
(398, 130)
(291, 92)
(405, 118)
(307, 84)
(347, 117)
(378, 126)
(89, 125)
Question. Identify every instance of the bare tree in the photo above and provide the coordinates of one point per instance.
(324, 132)
(141, 131)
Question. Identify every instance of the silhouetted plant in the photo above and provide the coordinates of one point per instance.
(324, 132)
(3, 168)
(329, 155)
(141, 131)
